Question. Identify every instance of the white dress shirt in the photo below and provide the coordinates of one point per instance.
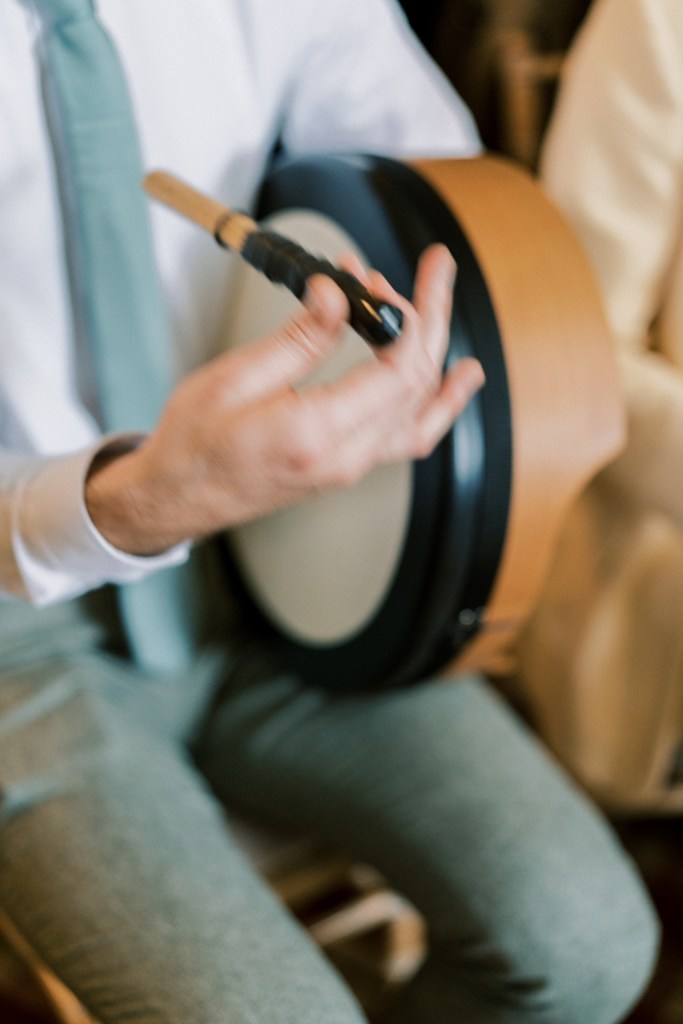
(214, 83)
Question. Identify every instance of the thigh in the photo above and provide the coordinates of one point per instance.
(116, 866)
(444, 790)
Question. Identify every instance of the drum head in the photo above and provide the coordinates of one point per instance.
(321, 569)
(378, 584)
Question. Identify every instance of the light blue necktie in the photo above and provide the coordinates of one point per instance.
(117, 301)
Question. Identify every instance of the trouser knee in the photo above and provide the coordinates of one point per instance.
(602, 977)
(591, 976)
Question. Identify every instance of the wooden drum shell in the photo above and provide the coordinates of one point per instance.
(568, 417)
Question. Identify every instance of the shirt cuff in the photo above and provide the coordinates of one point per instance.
(59, 551)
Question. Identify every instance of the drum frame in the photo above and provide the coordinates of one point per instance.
(488, 503)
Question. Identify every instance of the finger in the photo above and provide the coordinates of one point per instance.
(370, 393)
(372, 279)
(352, 264)
(359, 416)
(379, 287)
(460, 385)
(433, 298)
(287, 355)
(436, 262)
(384, 439)
(420, 351)
(409, 374)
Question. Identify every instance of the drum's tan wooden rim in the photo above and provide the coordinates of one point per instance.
(553, 331)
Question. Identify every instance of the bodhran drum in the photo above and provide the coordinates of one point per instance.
(438, 562)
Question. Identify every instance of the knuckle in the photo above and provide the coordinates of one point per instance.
(302, 335)
(306, 449)
(349, 474)
(424, 448)
(423, 377)
(424, 443)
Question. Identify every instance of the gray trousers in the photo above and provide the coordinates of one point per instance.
(115, 862)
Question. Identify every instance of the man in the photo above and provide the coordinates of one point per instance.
(114, 860)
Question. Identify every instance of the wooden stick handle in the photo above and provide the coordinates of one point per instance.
(229, 227)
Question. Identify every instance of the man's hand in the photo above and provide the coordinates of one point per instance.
(238, 440)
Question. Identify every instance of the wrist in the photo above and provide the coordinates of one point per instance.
(120, 501)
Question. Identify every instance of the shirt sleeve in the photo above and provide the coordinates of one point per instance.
(613, 161)
(365, 84)
(50, 549)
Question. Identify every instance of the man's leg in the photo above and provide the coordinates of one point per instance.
(116, 866)
(534, 913)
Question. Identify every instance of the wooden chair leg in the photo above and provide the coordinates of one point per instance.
(524, 78)
(67, 1009)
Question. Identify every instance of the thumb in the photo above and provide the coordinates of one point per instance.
(326, 302)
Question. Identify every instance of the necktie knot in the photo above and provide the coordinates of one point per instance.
(53, 11)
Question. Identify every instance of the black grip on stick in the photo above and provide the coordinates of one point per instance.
(285, 262)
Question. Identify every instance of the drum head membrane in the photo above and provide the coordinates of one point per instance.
(319, 570)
